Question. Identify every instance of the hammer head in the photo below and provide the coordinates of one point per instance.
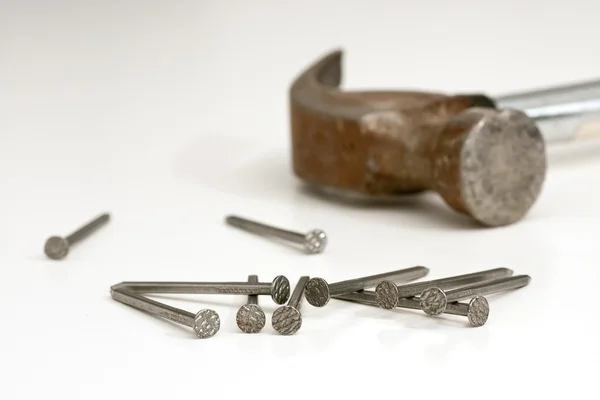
(490, 164)
(484, 162)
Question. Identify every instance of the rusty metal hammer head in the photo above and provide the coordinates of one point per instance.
(485, 162)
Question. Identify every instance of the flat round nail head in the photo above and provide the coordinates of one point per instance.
(316, 292)
(286, 320)
(56, 247)
(387, 295)
(207, 323)
(280, 289)
(315, 241)
(479, 311)
(433, 301)
(250, 318)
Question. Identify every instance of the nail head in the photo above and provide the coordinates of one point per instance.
(433, 301)
(479, 311)
(206, 323)
(280, 289)
(250, 318)
(315, 241)
(387, 295)
(316, 292)
(286, 320)
(56, 247)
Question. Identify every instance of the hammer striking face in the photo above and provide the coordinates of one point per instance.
(484, 162)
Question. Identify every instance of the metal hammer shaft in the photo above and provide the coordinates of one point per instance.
(559, 111)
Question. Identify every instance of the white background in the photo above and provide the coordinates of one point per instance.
(171, 115)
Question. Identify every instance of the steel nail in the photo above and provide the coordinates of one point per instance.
(206, 323)
(250, 318)
(433, 301)
(287, 319)
(477, 310)
(318, 291)
(313, 242)
(57, 247)
(279, 289)
(388, 293)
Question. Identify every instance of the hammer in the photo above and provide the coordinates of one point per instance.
(486, 157)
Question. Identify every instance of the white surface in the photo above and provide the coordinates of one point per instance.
(171, 115)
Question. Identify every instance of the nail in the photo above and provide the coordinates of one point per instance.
(388, 292)
(313, 242)
(206, 323)
(477, 310)
(318, 291)
(57, 247)
(250, 318)
(287, 319)
(279, 289)
(433, 301)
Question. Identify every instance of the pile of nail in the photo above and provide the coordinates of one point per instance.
(440, 296)
(432, 297)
